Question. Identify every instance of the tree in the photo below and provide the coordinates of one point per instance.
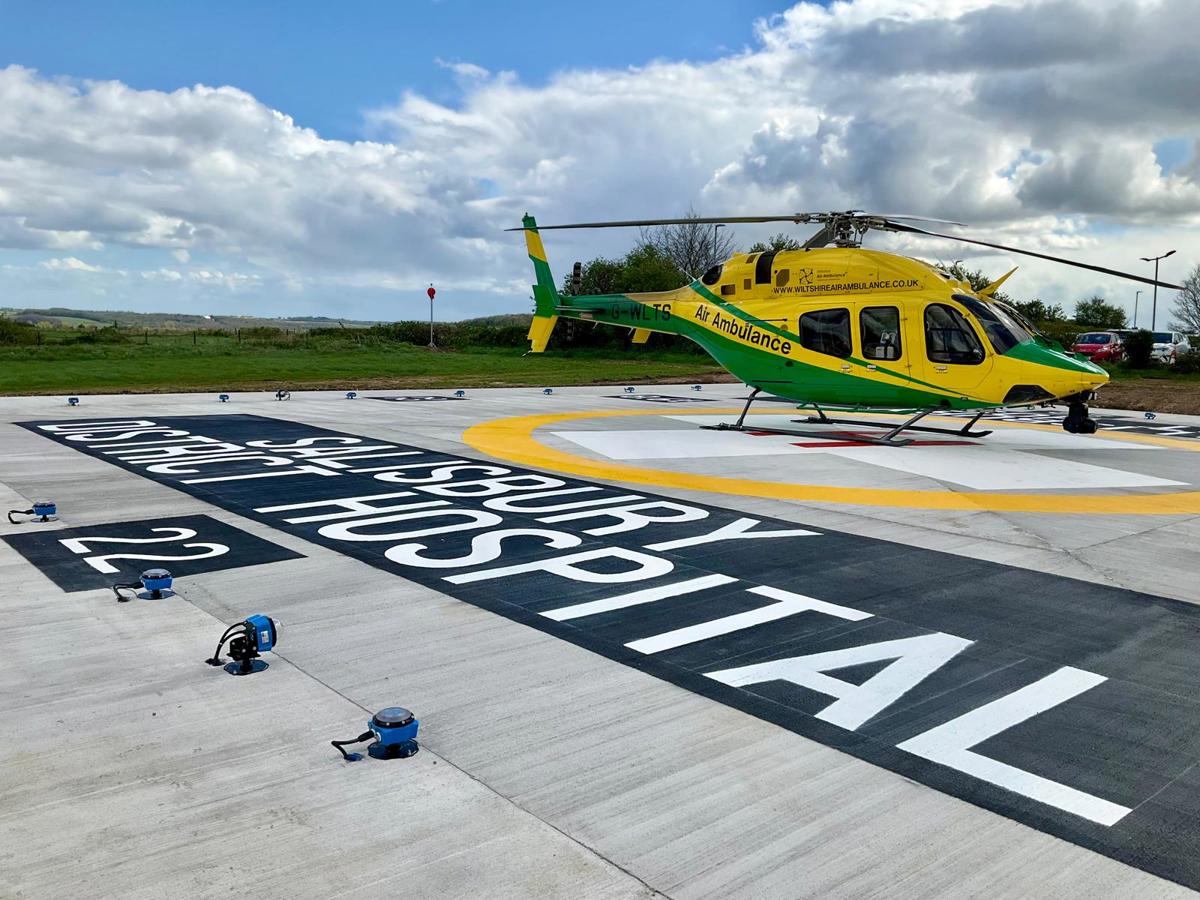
(1038, 312)
(1096, 312)
(693, 246)
(641, 269)
(1187, 304)
(777, 242)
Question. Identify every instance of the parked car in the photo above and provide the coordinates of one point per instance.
(1168, 346)
(1100, 346)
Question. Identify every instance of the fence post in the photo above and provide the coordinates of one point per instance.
(194, 333)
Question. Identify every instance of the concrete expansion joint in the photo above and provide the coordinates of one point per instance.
(427, 747)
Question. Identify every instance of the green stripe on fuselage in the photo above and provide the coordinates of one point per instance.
(940, 391)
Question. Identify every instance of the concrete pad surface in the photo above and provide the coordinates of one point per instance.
(128, 767)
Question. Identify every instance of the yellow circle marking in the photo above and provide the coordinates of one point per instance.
(512, 439)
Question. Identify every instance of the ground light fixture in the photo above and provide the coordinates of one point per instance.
(283, 394)
(41, 511)
(395, 732)
(154, 581)
(247, 641)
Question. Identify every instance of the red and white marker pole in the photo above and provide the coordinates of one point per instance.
(432, 293)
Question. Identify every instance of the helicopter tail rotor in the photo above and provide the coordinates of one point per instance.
(545, 293)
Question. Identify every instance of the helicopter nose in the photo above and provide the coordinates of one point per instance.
(1090, 378)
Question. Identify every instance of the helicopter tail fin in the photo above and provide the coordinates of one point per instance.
(545, 294)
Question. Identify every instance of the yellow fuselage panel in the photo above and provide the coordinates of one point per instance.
(749, 319)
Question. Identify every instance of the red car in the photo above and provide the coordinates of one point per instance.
(1100, 346)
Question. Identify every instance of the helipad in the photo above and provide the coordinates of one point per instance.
(648, 659)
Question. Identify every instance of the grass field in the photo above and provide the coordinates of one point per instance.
(215, 364)
(69, 363)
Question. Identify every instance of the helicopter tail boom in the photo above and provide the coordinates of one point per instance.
(545, 293)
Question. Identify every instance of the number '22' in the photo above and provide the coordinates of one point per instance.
(101, 562)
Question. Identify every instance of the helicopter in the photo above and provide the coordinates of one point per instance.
(837, 326)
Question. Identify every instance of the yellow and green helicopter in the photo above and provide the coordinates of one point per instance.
(835, 325)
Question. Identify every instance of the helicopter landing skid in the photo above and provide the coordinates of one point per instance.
(965, 431)
(889, 439)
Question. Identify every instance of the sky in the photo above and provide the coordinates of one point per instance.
(335, 159)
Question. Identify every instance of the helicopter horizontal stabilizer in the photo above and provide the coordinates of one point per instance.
(545, 294)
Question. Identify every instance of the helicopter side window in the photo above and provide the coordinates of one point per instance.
(713, 275)
(1001, 329)
(826, 331)
(949, 337)
(880, 330)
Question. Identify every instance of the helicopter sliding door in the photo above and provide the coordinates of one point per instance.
(884, 348)
(954, 356)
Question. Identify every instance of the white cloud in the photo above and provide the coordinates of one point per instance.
(69, 264)
(1035, 121)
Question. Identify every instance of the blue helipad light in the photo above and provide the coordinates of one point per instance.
(153, 580)
(256, 635)
(282, 394)
(1150, 415)
(630, 390)
(696, 387)
(351, 395)
(41, 510)
(460, 393)
(224, 398)
(72, 401)
(395, 733)
(547, 390)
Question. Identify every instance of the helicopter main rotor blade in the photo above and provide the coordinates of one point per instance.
(870, 219)
(798, 218)
(1058, 259)
(889, 217)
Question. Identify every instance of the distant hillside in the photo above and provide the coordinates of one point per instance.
(59, 317)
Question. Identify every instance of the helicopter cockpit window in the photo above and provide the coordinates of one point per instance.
(713, 275)
(880, 330)
(1002, 330)
(826, 331)
(949, 337)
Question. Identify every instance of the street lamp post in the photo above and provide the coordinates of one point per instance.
(1154, 306)
(1135, 302)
